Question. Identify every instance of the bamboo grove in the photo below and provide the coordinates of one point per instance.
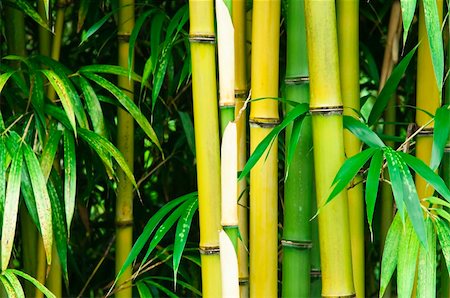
(311, 138)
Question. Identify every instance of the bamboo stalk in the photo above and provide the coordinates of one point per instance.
(206, 125)
(263, 177)
(240, 94)
(348, 35)
(44, 34)
(125, 143)
(316, 272)
(298, 191)
(326, 109)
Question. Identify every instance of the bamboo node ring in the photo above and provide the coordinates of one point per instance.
(327, 111)
(426, 132)
(124, 223)
(124, 37)
(243, 281)
(215, 250)
(315, 273)
(298, 80)
(297, 244)
(202, 38)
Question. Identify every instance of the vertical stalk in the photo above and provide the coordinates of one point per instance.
(263, 177)
(44, 34)
(326, 110)
(240, 94)
(298, 186)
(316, 272)
(206, 125)
(125, 143)
(348, 35)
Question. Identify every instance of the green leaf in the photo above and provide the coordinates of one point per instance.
(49, 152)
(428, 174)
(373, 180)
(7, 286)
(93, 106)
(160, 75)
(110, 69)
(408, 9)
(128, 104)
(434, 33)
(443, 232)
(349, 170)
(143, 290)
(181, 283)
(43, 204)
(181, 235)
(105, 149)
(166, 291)
(426, 282)
(15, 283)
(31, 279)
(94, 28)
(442, 213)
(363, 132)
(37, 94)
(70, 176)
(407, 256)
(390, 87)
(440, 135)
(149, 228)
(11, 208)
(390, 253)
(82, 12)
(28, 9)
(298, 111)
(293, 142)
(188, 129)
(4, 77)
(3, 169)
(437, 201)
(63, 93)
(393, 164)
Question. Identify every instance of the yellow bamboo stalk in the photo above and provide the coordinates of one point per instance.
(206, 125)
(263, 177)
(326, 108)
(125, 143)
(240, 94)
(427, 98)
(348, 34)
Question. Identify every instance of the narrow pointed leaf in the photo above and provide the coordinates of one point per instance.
(15, 283)
(43, 204)
(434, 33)
(93, 106)
(408, 9)
(407, 256)
(3, 169)
(31, 279)
(443, 232)
(29, 10)
(70, 176)
(181, 235)
(111, 69)
(82, 12)
(373, 181)
(143, 290)
(428, 174)
(163, 289)
(390, 87)
(437, 201)
(160, 75)
(8, 287)
(94, 28)
(188, 129)
(396, 180)
(128, 104)
(11, 208)
(49, 152)
(363, 132)
(4, 78)
(426, 282)
(442, 213)
(440, 135)
(293, 142)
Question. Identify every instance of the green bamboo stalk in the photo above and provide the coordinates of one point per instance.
(326, 110)
(125, 143)
(44, 35)
(316, 272)
(206, 125)
(348, 35)
(298, 186)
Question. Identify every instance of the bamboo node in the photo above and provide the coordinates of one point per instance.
(243, 281)
(215, 250)
(202, 38)
(307, 244)
(315, 273)
(124, 223)
(124, 37)
(298, 80)
(240, 94)
(426, 132)
(327, 111)
(447, 149)
(61, 4)
(340, 296)
(264, 122)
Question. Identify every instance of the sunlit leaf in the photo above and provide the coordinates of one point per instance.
(29, 10)
(3, 169)
(111, 69)
(408, 9)
(426, 282)
(93, 106)
(94, 28)
(49, 152)
(293, 142)
(373, 181)
(393, 163)
(181, 235)
(441, 134)
(15, 283)
(70, 176)
(7, 286)
(363, 132)
(4, 78)
(144, 291)
(11, 208)
(443, 232)
(407, 255)
(159, 75)
(31, 279)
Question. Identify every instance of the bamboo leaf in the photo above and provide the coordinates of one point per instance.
(443, 232)
(105, 149)
(373, 181)
(93, 106)
(49, 152)
(160, 75)
(63, 93)
(349, 170)
(442, 213)
(94, 28)
(363, 132)
(29, 10)
(43, 205)
(188, 129)
(37, 94)
(407, 256)
(3, 169)
(181, 235)
(437, 201)
(408, 9)
(393, 163)
(149, 228)
(440, 135)
(429, 175)
(390, 87)
(155, 39)
(111, 69)
(31, 279)
(70, 176)
(293, 142)
(15, 283)
(163, 289)
(299, 110)
(4, 77)
(7, 286)
(11, 208)
(143, 290)
(426, 282)
(390, 253)
(180, 282)
(128, 104)
(432, 23)
(82, 12)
